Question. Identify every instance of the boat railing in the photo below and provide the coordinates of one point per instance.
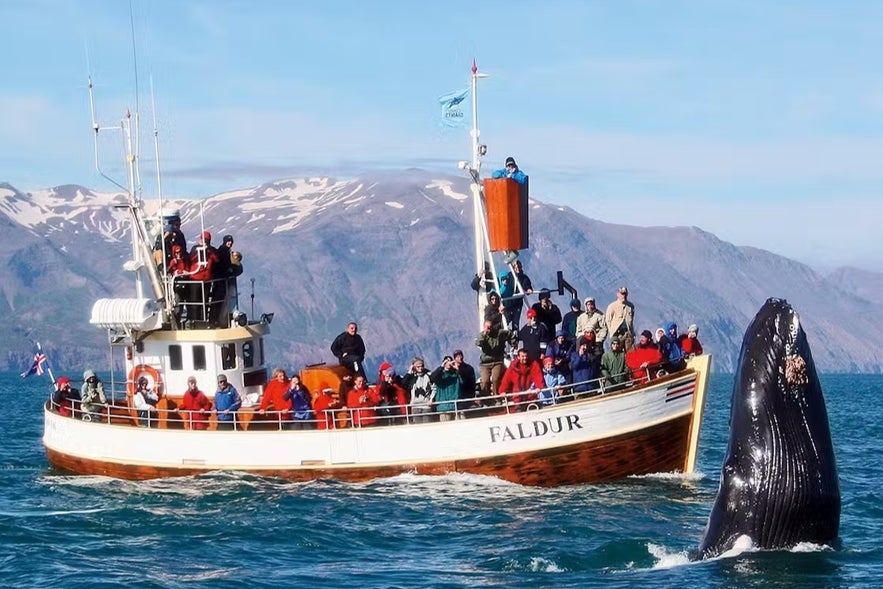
(204, 302)
(120, 412)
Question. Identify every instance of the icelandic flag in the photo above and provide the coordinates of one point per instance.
(37, 366)
(451, 109)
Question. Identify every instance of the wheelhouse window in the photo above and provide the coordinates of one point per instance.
(199, 358)
(248, 354)
(176, 359)
(228, 356)
(261, 348)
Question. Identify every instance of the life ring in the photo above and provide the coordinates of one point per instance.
(137, 372)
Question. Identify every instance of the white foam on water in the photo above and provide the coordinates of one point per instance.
(538, 564)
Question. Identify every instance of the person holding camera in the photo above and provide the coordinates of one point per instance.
(446, 379)
(421, 389)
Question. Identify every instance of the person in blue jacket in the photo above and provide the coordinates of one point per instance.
(511, 171)
(227, 403)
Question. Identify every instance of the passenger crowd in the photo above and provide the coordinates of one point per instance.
(575, 355)
(553, 355)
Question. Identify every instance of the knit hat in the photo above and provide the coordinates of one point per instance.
(63, 381)
(531, 313)
(228, 238)
(548, 360)
(693, 329)
(575, 303)
(206, 236)
(646, 333)
(560, 333)
(511, 160)
(384, 367)
(589, 300)
(545, 294)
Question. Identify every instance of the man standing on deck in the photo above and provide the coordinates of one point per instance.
(620, 318)
(227, 403)
(349, 349)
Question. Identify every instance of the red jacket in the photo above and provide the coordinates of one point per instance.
(690, 345)
(203, 271)
(634, 359)
(519, 378)
(192, 404)
(362, 403)
(324, 406)
(273, 397)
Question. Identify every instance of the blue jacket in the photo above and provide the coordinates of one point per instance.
(554, 380)
(227, 400)
(584, 368)
(300, 403)
(669, 347)
(517, 175)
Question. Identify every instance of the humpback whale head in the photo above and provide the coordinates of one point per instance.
(778, 483)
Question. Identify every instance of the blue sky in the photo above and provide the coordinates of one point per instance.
(758, 121)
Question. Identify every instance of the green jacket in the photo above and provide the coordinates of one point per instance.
(613, 367)
(493, 345)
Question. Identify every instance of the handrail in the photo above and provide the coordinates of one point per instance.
(508, 403)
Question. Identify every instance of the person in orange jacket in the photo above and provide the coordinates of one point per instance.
(324, 406)
(195, 406)
(274, 397)
(361, 401)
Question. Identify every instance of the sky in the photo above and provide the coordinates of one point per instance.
(760, 122)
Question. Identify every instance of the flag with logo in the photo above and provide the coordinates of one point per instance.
(452, 108)
(38, 366)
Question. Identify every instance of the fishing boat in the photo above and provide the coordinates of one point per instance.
(174, 328)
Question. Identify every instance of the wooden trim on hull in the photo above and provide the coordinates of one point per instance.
(661, 448)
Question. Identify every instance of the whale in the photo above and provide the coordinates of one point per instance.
(778, 484)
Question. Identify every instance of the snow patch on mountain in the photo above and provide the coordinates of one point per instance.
(447, 189)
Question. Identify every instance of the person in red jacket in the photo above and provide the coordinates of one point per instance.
(195, 406)
(361, 401)
(645, 359)
(523, 379)
(325, 406)
(203, 258)
(274, 398)
(689, 342)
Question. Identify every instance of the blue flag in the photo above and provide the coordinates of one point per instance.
(37, 366)
(451, 108)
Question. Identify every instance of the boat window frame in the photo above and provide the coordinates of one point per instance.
(228, 356)
(248, 354)
(176, 357)
(200, 360)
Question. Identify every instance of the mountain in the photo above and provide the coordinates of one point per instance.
(393, 252)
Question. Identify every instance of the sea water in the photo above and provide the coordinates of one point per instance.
(232, 530)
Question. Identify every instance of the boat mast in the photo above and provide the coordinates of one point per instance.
(142, 263)
(482, 244)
